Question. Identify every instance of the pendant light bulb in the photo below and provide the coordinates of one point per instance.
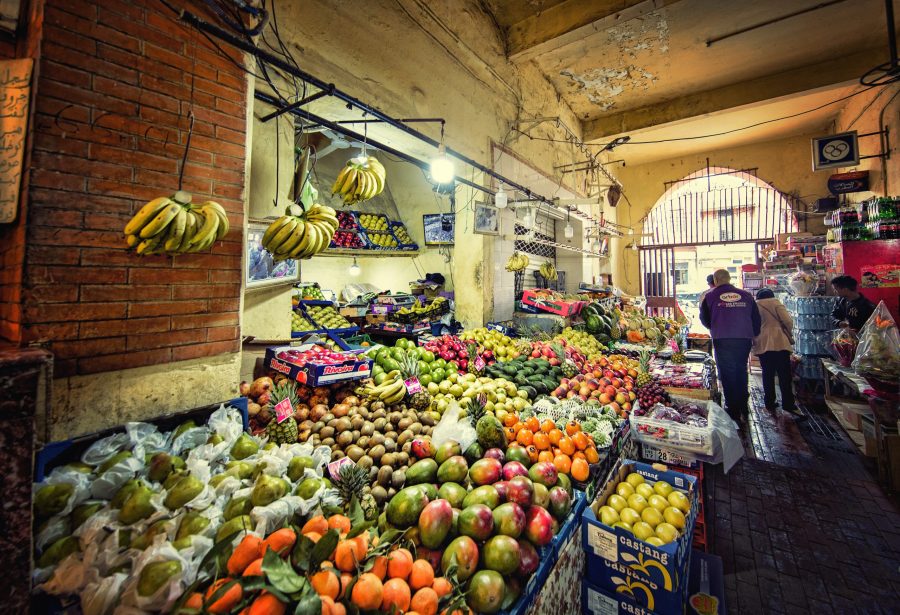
(354, 269)
(501, 198)
(442, 171)
(634, 247)
(569, 230)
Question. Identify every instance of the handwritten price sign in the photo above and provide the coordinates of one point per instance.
(15, 91)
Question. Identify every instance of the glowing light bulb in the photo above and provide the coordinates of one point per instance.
(501, 198)
(634, 247)
(354, 269)
(442, 170)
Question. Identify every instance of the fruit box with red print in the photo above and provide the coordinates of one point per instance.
(316, 365)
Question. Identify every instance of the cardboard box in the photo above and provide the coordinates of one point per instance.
(376, 319)
(355, 366)
(599, 601)
(617, 562)
(560, 308)
(868, 431)
(781, 240)
(354, 312)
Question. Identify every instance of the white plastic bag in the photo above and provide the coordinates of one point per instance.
(189, 440)
(107, 484)
(63, 475)
(103, 449)
(451, 428)
(100, 597)
(162, 599)
(267, 519)
(146, 439)
(68, 577)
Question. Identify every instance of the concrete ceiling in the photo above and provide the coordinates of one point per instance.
(625, 66)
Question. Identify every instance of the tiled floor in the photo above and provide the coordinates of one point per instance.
(801, 523)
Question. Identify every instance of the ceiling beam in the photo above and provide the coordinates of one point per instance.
(844, 69)
(571, 21)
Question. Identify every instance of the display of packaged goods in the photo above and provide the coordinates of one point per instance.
(810, 305)
(644, 556)
(314, 365)
(349, 240)
(372, 222)
(813, 322)
(540, 300)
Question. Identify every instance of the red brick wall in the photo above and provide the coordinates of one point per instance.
(114, 91)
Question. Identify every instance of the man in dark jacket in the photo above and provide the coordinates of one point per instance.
(852, 309)
(733, 320)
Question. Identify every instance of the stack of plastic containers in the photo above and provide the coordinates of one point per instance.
(812, 332)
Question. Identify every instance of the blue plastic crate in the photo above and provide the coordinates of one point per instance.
(403, 246)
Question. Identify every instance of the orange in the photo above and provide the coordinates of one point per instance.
(347, 555)
(541, 441)
(400, 564)
(254, 569)
(346, 579)
(368, 592)
(566, 445)
(510, 419)
(338, 609)
(362, 542)
(227, 600)
(425, 601)
(250, 548)
(580, 440)
(441, 587)
(591, 454)
(326, 583)
(555, 435)
(327, 605)
(314, 536)
(545, 456)
(572, 427)
(532, 453)
(563, 463)
(194, 601)
(316, 524)
(525, 437)
(422, 575)
(267, 604)
(547, 426)
(580, 470)
(281, 541)
(533, 423)
(340, 522)
(395, 594)
(379, 567)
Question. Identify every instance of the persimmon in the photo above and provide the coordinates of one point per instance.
(580, 440)
(572, 427)
(525, 437)
(541, 441)
(510, 419)
(566, 446)
(555, 436)
(580, 470)
(545, 456)
(533, 453)
(563, 463)
(591, 454)
(547, 426)
(533, 423)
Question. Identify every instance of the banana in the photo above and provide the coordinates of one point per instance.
(292, 242)
(176, 231)
(282, 236)
(302, 233)
(313, 233)
(132, 240)
(274, 228)
(391, 391)
(223, 218)
(392, 375)
(161, 221)
(349, 181)
(362, 185)
(145, 214)
(210, 225)
(190, 227)
(396, 398)
(149, 245)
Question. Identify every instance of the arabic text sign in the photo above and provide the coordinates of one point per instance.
(15, 89)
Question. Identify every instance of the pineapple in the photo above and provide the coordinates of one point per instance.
(353, 480)
(284, 432)
(409, 368)
(489, 430)
(570, 370)
(678, 358)
(644, 378)
(473, 353)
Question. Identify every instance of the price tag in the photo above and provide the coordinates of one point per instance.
(479, 363)
(413, 386)
(283, 410)
(334, 468)
(380, 309)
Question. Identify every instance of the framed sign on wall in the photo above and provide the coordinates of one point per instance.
(439, 229)
(262, 270)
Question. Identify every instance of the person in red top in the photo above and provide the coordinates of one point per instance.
(733, 320)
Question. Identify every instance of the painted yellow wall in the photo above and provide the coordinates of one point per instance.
(786, 164)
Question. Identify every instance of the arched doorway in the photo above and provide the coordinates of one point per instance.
(723, 214)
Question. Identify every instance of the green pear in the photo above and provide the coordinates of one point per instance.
(83, 512)
(125, 538)
(183, 492)
(52, 499)
(237, 507)
(155, 575)
(113, 461)
(173, 478)
(58, 551)
(183, 428)
(124, 492)
(163, 464)
(215, 439)
(137, 506)
(244, 447)
(234, 525)
(243, 469)
(270, 446)
(146, 539)
(79, 466)
(268, 489)
(192, 523)
(297, 467)
(308, 487)
(183, 543)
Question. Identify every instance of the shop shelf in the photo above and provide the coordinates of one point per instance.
(394, 226)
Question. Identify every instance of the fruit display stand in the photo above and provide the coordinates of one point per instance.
(349, 240)
(311, 309)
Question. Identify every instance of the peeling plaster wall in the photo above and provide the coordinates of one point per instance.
(785, 164)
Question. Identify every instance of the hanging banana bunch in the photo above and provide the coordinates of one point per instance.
(548, 271)
(517, 262)
(301, 236)
(174, 225)
(361, 179)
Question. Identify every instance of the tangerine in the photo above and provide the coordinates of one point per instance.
(316, 524)
(441, 586)
(421, 575)
(226, 601)
(340, 523)
(400, 564)
(395, 594)
(379, 567)
(281, 541)
(254, 569)
(425, 601)
(347, 555)
(267, 604)
(326, 583)
(368, 592)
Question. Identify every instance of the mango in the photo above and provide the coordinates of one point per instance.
(155, 575)
(445, 451)
(485, 471)
(183, 492)
(422, 471)
(486, 494)
(476, 521)
(429, 490)
(404, 508)
(453, 493)
(453, 470)
(435, 523)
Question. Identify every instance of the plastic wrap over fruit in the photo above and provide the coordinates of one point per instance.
(451, 427)
(146, 439)
(158, 579)
(107, 484)
(665, 413)
(803, 283)
(843, 345)
(100, 597)
(68, 577)
(65, 488)
(267, 519)
(878, 353)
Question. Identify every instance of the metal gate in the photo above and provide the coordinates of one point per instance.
(658, 280)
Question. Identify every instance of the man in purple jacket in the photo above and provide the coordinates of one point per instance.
(733, 320)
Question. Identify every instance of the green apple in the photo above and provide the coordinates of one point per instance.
(609, 515)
